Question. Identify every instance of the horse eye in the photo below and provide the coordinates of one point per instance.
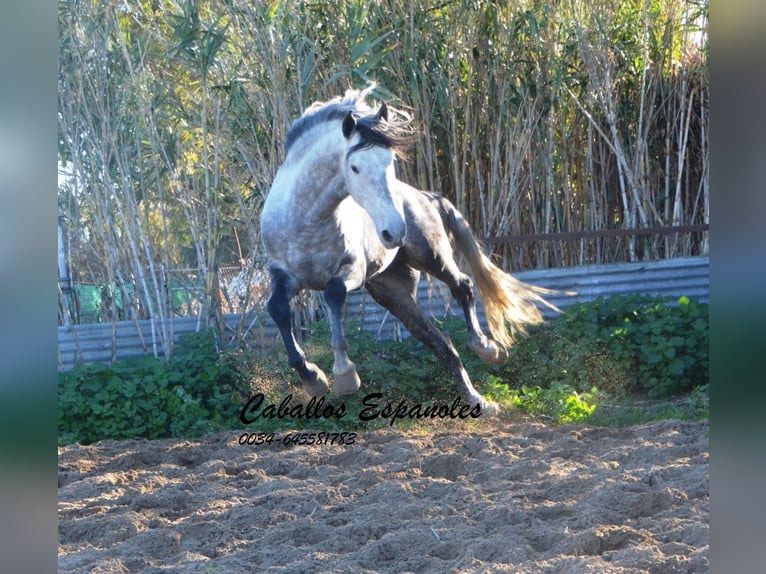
(354, 169)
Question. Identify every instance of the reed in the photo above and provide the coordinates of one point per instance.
(535, 117)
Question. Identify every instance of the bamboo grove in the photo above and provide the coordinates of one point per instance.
(534, 117)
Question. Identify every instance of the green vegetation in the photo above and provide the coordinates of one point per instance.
(534, 117)
(616, 361)
(632, 357)
(199, 390)
(666, 346)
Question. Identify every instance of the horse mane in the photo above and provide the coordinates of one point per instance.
(393, 134)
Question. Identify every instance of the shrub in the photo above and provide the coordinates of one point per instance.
(549, 354)
(666, 345)
(603, 350)
(195, 392)
(563, 370)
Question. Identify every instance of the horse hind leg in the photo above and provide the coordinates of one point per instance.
(440, 263)
(429, 248)
(396, 290)
(346, 379)
(461, 286)
(284, 288)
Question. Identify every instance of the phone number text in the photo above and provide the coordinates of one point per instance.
(298, 438)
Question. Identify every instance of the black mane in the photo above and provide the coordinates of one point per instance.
(376, 132)
(372, 130)
(311, 119)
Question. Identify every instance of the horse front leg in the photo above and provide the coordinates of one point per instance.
(283, 288)
(344, 372)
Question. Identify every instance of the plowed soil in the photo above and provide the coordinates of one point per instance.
(495, 498)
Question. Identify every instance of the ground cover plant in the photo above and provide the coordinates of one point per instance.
(615, 361)
(196, 391)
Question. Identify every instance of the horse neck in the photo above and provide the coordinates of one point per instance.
(319, 186)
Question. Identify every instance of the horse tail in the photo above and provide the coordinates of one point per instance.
(509, 304)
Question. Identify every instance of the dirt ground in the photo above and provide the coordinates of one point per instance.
(496, 498)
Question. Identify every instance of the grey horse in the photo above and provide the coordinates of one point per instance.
(337, 219)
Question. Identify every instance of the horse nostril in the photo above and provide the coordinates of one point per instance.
(392, 240)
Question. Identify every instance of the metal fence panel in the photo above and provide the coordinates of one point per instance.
(100, 342)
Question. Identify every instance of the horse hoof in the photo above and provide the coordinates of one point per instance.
(492, 353)
(502, 354)
(316, 384)
(346, 383)
(490, 409)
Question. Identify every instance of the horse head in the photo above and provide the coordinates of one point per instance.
(372, 144)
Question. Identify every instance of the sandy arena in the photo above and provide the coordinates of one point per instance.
(495, 498)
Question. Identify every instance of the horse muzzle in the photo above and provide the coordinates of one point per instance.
(393, 236)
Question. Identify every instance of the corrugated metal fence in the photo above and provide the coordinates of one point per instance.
(100, 342)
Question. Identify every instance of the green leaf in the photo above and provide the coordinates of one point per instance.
(676, 341)
(676, 367)
(670, 353)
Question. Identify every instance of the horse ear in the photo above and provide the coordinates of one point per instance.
(383, 112)
(349, 123)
